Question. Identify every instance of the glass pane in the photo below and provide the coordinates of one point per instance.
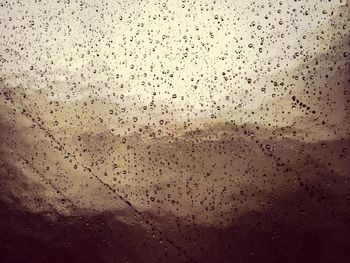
(174, 131)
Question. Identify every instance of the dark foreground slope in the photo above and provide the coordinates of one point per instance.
(224, 193)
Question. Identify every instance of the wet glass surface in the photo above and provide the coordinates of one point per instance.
(174, 131)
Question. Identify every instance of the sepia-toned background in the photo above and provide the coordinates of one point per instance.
(174, 131)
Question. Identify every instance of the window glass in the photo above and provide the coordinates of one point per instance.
(174, 131)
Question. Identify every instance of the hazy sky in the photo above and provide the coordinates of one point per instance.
(198, 53)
